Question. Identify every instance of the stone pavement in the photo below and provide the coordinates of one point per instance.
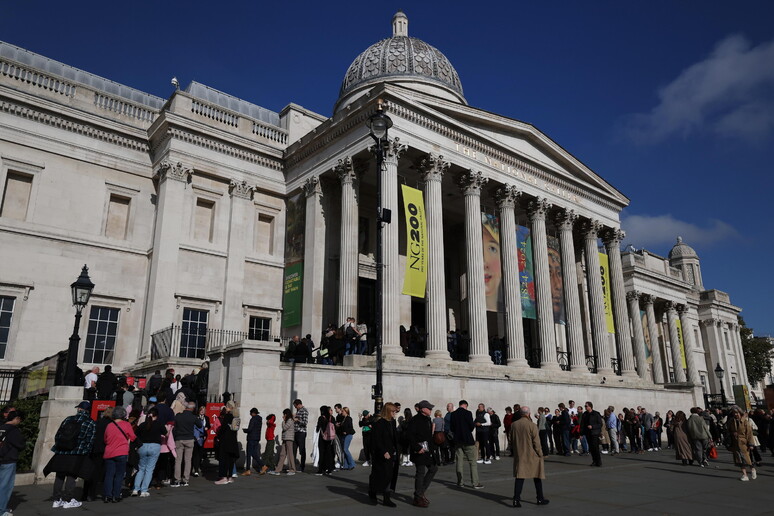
(653, 484)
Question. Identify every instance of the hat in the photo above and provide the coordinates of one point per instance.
(153, 399)
(85, 405)
(365, 412)
(425, 404)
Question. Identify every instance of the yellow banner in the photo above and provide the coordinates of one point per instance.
(682, 342)
(604, 269)
(415, 281)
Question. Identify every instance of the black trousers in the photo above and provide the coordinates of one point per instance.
(593, 441)
(422, 478)
(381, 475)
(518, 485)
(299, 445)
(544, 441)
(64, 487)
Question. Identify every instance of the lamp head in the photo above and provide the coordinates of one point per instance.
(719, 372)
(379, 123)
(81, 289)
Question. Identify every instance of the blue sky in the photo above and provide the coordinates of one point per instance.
(672, 102)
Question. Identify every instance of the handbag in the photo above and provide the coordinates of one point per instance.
(713, 452)
(439, 438)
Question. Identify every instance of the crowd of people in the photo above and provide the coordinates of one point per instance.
(155, 438)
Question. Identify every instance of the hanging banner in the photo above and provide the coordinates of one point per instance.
(415, 280)
(646, 334)
(555, 275)
(493, 271)
(294, 261)
(604, 270)
(526, 272)
(682, 342)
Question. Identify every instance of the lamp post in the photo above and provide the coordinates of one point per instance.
(81, 291)
(378, 125)
(719, 372)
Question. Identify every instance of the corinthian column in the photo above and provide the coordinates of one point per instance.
(432, 168)
(565, 221)
(613, 240)
(655, 349)
(392, 281)
(537, 211)
(690, 359)
(674, 343)
(633, 298)
(506, 202)
(348, 266)
(596, 297)
(471, 184)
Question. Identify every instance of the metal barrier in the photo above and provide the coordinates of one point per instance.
(193, 342)
(591, 363)
(616, 365)
(563, 357)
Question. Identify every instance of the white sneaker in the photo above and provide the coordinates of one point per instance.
(291, 473)
(366, 464)
(234, 475)
(58, 504)
(497, 458)
(754, 474)
(409, 464)
(144, 494)
(487, 461)
(72, 504)
(480, 461)
(744, 479)
(135, 492)
(604, 452)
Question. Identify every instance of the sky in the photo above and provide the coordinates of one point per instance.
(672, 102)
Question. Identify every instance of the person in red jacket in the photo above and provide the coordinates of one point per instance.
(271, 444)
(118, 434)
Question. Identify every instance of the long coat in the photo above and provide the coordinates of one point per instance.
(527, 453)
(683, 449)
(741, 436)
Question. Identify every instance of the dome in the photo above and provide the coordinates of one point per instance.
(402, 60)
(682, 250)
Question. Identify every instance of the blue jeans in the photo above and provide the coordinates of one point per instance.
(7, 478)
(566, 440)
(115, 469)
(253, 455)
(149, 454)
(348, 461)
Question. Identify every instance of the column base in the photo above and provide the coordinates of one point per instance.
(630, 374)
(606, 372)
(550, 366)
(519, 364)
(480, 359)
(438, 355)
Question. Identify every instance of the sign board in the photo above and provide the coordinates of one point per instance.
(213, 416)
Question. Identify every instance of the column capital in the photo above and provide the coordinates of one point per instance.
(612, 237)
(648, 299)
(345, 170)
(471, 182)
(591, 229)
(241, 189)
(312, 186)
(670, 306)
(393, 149)
(507, 196)
(433, 167)
(633, 295)
(682, 309)
(707, 322)
(538, 208)
(176, 171)
(565, 219)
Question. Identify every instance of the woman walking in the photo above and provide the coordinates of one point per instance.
(741, 437)
(670, 416)
(384, 443)
(286, 451)
(683, 450)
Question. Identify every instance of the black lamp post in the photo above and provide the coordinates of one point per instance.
(81, 291)
(378, 125)
(719, 372)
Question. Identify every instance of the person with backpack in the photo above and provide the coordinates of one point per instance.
(72, 446)
(11, 444)
(325, 442)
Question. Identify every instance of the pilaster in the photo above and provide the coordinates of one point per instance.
(633, 298)
(241, 211)
(655, 348)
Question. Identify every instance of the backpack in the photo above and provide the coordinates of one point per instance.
(329, 433)
(66, 438)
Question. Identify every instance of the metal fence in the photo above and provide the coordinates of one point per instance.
(591, 363)
(563, 357)
(194, 342)
(33, 380)
(616, 365)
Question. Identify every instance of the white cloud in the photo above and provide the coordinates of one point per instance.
(730, 93)
(660, 232)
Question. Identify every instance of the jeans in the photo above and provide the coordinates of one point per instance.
(593, 443)
(566, 441)
(7, 478)
(466, 453)
(149, 454)
(115, 469)
(184, 449)
(253, 455)
(299, 445)
(422, 478)
(348, 462)
(613, 433)
(64, 487)
(699, 445)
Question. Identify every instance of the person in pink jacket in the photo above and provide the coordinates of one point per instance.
(118, 434)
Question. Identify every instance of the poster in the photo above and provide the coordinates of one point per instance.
(604, 270)
(213, 412)
(493, 270)
(294, 261)
(99, 406)
(682, 342)
(526, 272)
(415, 280)
(646, 334)
(555, 276)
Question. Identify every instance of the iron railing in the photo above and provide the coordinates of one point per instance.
(193, 342)
(563, 357)
(616, 365)
(591, 363)
(533, 355)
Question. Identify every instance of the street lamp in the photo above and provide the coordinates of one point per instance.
(719, 372)
(81, 291)
(378, 124)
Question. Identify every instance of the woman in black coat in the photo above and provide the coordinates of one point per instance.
(325, 463)
(384, 448)
(228, 448)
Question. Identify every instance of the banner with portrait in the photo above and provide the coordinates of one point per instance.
(555, 276)
(292, 293)
(493, 271)
(415, 280)
(526, 272)
(646, 334)
(604, 270)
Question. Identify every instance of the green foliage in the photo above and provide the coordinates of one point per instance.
(29, 428)
(758, 354)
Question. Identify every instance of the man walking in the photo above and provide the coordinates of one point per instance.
(300, 421)
(253, 452)
(184, 443)
(462, 427)
(420, 435)
(591, 426)
(699, 434)
(527, 457)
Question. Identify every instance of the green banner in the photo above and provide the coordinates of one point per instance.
(293, 291)
(293, 294)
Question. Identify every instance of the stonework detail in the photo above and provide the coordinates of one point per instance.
(345, 171)
(472, 182)
(176, 171)
(241, 189)
(433, 167)
(312, 186)
(507, 196)
(538, 209)
(566, 219)
(591, 229)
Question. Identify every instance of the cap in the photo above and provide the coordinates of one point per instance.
(365, 412)
(85, 405)
(425, 404)
(153, 399)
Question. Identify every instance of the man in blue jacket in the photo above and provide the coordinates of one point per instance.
(462, 427)
(253, 452)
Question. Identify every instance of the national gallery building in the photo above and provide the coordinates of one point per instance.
(216, 229)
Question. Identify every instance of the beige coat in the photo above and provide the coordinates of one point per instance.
(527, 453)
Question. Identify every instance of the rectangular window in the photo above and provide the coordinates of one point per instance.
(16, 197)
(117, 217)
(703, 382)
(733, 379)
(259, 328)
(725, 335)
(264, 234)
(204, 220)
(101, 335)
(193, 335)
(6, 314)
